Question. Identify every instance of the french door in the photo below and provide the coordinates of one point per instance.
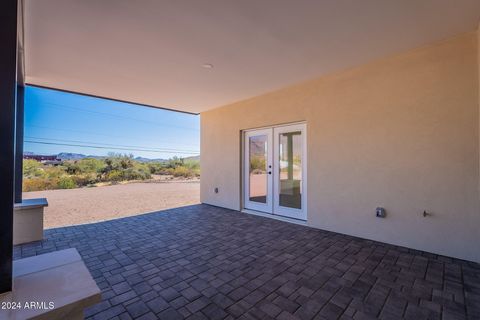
(258, 170)
(275, 170)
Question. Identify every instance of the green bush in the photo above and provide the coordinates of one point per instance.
(66, 182)
(173, 163)
(257, 164)
(39, 184)
(83, 166)
(32, 168)
(85, 179)
(54, 171)
(114, 168)
(182, 172)
(185, 172)
(114, 176)
(156, 167)
(177, 167)
(136, 174)
(192, 164)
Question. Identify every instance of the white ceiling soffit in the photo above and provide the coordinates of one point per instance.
(154, 52)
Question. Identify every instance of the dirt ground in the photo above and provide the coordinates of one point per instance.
(85, 205)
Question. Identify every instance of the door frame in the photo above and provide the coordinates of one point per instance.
(252, 205)
(285, 211)
(244, 191)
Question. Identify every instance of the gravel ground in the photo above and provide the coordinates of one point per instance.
(85, 205)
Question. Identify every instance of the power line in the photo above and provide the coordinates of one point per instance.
(60, 106)
(109, 144)
(105, 147)
(106, 135)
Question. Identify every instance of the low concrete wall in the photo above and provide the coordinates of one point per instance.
(28, 220)
(58, 280)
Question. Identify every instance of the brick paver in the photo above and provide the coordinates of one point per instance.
(204, 262)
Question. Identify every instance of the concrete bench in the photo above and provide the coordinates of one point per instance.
(28, 220)
(55, 285)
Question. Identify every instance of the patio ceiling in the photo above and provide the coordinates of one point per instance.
(161, 53)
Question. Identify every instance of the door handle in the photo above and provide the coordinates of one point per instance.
(269, 172)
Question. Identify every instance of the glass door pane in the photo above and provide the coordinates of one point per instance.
(258, 171)
(290, 169)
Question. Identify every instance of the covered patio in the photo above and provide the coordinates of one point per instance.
(206, 262)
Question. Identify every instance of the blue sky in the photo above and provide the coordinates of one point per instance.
(55, 120)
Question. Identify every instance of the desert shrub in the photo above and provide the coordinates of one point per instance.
(39, 184)
(165, 171)
(173, 163)
(257, 164)
(114, 168)
(117, 162)
(84, 166)
(192, 164)
(90, 165)
(182, 172)
(124, 167)
(156, 167)
(54, 172)
(177, 167)
(85, 179)
(114, 176)
(32, 168)
(185, 172)
(66, 182)
(136, 174)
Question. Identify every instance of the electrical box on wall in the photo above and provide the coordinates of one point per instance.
(380, 212)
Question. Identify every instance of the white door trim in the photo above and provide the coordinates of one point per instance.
(253, 205)
(272, 206)
(276, 217)
(277, 209)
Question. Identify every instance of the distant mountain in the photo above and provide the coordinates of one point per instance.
(78, 156)
(142, 159)
(197, 158)
(70, 156)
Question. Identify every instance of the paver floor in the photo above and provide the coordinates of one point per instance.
(204, 262)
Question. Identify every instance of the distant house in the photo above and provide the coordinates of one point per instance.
(41, 158)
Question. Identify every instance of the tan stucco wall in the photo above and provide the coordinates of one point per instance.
(401, 133)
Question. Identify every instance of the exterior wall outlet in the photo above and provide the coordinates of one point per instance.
(380, 212)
